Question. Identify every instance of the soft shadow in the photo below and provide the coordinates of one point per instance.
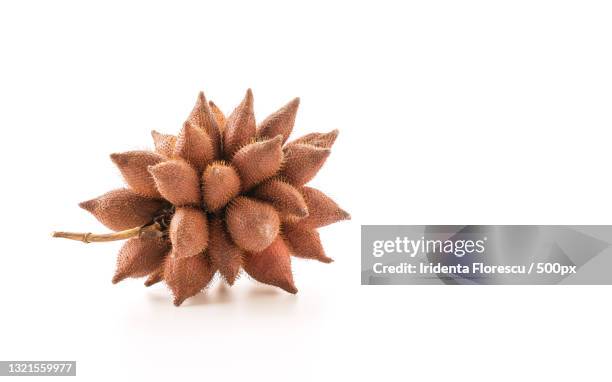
(259, 291)
(212, 296)
(266, 299)
(159, 296)
(255, 297)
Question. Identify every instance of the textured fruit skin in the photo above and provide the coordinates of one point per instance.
(122, 209)
(139, 257)
(195, 146)
(303, 161)
(228, 195)
(287, 200)
(258, 161)
(188, 232)
(164, 143)
(224, 254)
(272, 266)
(133, 166)
(252, 225)
(220, 184)
(177, 182)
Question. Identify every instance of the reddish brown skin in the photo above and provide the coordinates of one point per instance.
(302, 162)
(280, 122)
(164, 143)
(133, 166)
(177, 182)
(226, 195)
(195, 146)
(305, 243)
(220, 184)
(186, 277)
(287, 199)
(258, 161)
(203, 118)
(139, 257)
(155, 276)
(122, 209)
(218, 116)
(322, 140)
(253, 225)
(272, 266)
(324, 211)
(224, 254)
(239, 126)
(188, 232)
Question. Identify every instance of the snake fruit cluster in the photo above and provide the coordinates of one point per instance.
(227, 195)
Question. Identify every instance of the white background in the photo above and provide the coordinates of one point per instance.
(473, 112)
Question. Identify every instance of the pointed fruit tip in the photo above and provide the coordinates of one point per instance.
(291, 289)
(117, 278)
(117, 158)
(248, 98)
(345, 215)
(151, 281)
(178, 301)
(88, 205)
(326, 260)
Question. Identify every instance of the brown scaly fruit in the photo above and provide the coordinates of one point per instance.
(223, 195)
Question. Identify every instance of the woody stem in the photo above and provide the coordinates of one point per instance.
(152, 230)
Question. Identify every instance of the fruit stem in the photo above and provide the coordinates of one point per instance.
(149, 230)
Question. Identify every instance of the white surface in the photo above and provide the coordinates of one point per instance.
(472, 112)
